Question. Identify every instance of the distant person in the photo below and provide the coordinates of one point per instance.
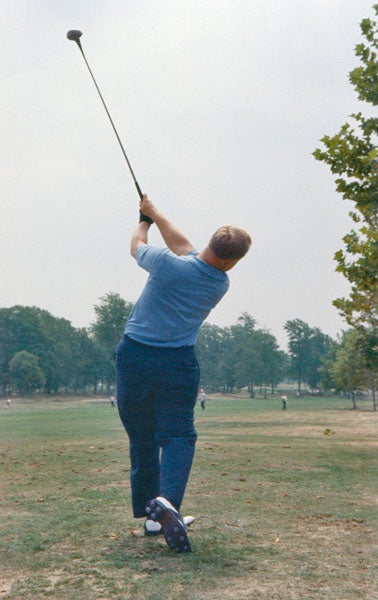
(112, 401)
(284, 402)
(202, 398)
(157, 370)
(8, 402)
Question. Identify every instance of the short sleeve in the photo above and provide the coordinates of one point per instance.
(150, 257)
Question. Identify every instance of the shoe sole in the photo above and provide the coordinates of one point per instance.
(187, 524)
(174, 530)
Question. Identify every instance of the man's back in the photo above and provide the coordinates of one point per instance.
(178, 296)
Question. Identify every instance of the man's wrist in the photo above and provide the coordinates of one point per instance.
(144, 219)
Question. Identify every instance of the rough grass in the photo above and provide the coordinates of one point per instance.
(285, 505)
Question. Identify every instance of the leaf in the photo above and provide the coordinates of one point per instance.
(133, 532)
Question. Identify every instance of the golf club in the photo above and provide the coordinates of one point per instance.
(75, 35)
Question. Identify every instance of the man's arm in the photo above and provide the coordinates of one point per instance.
(139, 237)
(175, 240)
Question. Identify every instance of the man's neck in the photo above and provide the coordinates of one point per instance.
(223, 264)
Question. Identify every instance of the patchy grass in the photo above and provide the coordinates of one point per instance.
(285, 505)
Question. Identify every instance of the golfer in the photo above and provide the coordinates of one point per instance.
(202, 398)
(157, 370)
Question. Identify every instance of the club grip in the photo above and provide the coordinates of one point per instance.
(138, 189)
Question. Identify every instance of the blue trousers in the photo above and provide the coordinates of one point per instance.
(156, 394)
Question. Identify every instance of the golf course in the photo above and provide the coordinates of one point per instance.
(285, 504)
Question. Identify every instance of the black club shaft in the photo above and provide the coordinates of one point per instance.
(75, 35)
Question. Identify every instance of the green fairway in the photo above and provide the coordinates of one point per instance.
(285, 504)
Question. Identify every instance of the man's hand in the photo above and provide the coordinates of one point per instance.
(145, 205)
(147, 209)
(175, 240)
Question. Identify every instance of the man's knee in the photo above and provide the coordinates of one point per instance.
(166, 440)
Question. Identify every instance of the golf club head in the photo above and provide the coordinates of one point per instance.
(74, 35)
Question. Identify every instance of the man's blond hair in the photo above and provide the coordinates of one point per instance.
(230, 242)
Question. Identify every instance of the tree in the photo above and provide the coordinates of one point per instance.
(327, 379)
(352, 155)
(257, 359)
(209, 350)
(60, 362)
(299, 349)
(351, 370)
(319, 344)
(307, 346)
(64, 357)
(89, 362)
(271, 360)
(25, 372)
(239, 356)
(21, 329)
(112, 314)
(368, 345)
(246, 360)
(228, 360)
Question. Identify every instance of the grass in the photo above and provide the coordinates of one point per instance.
(285, 505)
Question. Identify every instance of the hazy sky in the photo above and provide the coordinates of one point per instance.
(219, 104)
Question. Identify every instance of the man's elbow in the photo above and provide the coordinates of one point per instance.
(134, 247)
(133, 251)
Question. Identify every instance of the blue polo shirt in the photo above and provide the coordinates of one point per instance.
(179, 294)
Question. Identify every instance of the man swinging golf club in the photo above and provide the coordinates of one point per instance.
(157, 371)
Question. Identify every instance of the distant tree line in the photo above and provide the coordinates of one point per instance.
(45, 354)
(40, 352)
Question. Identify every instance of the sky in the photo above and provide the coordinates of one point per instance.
(219, 105)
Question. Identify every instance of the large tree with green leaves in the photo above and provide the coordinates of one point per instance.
(111, 316)
(21, 328)
(271, 361)
(209, 350)
(307, 346)
(59, 363)
(256, 358)
(244, 352)
(352, 155)
(25, 372)
(351, 370)
(299, 334)
(89, 364)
